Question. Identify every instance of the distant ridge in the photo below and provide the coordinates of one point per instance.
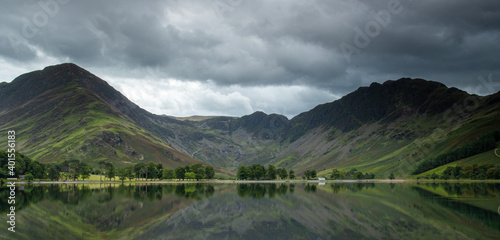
(64, 111)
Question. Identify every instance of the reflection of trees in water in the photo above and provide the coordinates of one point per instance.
(153, 192)
(194, 191)
(351, 187)
(471, 189)
(31, 194)
(310, 188)
(259, 190)
(74, 193)
(489, 218)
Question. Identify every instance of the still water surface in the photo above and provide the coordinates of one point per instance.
(255, 211)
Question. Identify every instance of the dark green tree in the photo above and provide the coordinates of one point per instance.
(151, 171)
(271, 172)
(159, 171)
(283, 173)
(36, 169)
(313, 174)
(291, 174)
(180, 173)
(243, 173)
(110, 170)
(122, 174)
(335, 174)
(209, 172)
(130, 172)
(53, 171)
(307, 174)
(139, 170)
(102, 165)
(198, 170)
(29, 177)
(258, 171)
(168, 174)
(391, 176)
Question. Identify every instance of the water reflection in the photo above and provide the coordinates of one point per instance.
(258, 190)
(257, 211)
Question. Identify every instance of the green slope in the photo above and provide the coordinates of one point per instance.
(70, 121)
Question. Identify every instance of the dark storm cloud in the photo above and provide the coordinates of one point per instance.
(262, 43)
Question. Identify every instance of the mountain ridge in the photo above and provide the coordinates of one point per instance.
(363, 129)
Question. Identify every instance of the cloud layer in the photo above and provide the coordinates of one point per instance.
(232, 57)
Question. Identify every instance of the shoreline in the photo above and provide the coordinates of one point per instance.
(260, 181)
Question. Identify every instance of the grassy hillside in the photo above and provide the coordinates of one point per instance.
(70, 121)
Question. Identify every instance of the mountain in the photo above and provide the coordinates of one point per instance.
(64, 111)
(383, 128)
(389, 127)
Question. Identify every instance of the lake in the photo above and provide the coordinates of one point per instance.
(255, 211)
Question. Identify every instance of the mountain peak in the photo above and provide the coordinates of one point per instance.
(382, 101)
(65, 68)
(29, 85)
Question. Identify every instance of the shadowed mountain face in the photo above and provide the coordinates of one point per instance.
(64, 111)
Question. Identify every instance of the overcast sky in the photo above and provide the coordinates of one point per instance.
(234, 57)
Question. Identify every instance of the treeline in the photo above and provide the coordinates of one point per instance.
(475, 171)
(151, 171)
(23, 165)
(257, 172)
(351, 174)
(36, 170)
(75, 169)
(483, 144)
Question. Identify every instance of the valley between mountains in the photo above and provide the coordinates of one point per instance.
(64, 112)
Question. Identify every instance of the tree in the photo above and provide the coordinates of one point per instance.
(159, 171)
(74, 165)
(190, 175)
(102, 164)
(291, 174)
(130, 172)
(151, 170)
(258, 171)
(53, 171)
(28, 177)
(168, 174)
(335, 174)
(139, 170)
(391, 176)
(84, 170)
(282, 172)
(198, 170)
(36, 169)
(122, 174)
(307, 174)
(209, 172)
(110, 170)
(180, 173)
(313, 174)
(271, 172)
(243, 172)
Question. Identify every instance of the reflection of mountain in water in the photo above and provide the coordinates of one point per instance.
(250, 211)
(335, 211)
(488, 218)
